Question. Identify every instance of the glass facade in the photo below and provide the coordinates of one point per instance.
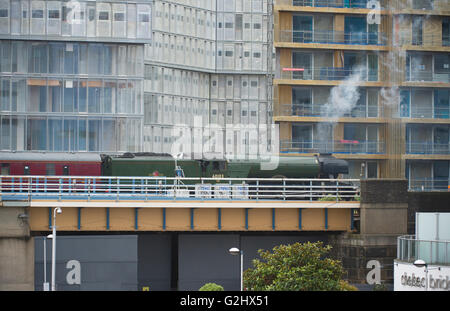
(71, 96)
(67, 20)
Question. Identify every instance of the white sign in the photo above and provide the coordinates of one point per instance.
(408, 277)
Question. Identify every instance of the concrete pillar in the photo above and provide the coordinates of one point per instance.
(16, 247)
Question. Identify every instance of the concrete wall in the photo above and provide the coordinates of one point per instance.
(384, 207)
(16, 248)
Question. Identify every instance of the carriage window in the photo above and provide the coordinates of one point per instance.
(5, 169)
(50, 169)
(66, 170)
(26, 170)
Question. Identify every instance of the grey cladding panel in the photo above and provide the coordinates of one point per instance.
(106, 262)
(204, 258)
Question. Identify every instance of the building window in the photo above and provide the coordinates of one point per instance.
(3, 13)
(66, 170)
(5, 169)
(53, 14)
(103, 16)
(119, 17)
(50, 169)
(37, 14)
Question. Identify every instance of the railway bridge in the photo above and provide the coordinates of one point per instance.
(182, 210)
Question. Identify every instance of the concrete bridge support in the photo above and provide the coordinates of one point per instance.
(384, 209)
(16, 248)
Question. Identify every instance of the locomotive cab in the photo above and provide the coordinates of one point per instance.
(330, 167)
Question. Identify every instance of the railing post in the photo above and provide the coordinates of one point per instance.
(284, 189)
(310, 191)
(257, 190)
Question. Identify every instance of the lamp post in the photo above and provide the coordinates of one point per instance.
(45, 285)
(59, 211)
(419, 263)
(235, 251)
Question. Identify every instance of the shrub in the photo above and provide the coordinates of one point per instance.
(208, 287)
(296, 267)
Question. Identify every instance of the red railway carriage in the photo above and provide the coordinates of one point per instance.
(50, 164)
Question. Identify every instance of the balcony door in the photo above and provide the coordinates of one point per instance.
(355, 30)
(440, 175)
(302, 102)
(446, 32)
(441, 104)
(441, 140)
(302, 137)
(302, 27)
(304, 61)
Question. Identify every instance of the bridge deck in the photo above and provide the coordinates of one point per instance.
(183, 204)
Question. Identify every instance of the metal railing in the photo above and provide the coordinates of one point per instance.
(426, 40)
(427, 76)
(427, 148)
(340, 146)
(428, 184)
(333, 37)
(171, 188)
(317, 110)
(357, 4)
(326, 73)
(425, 112)
(424, 5)
(410, 249)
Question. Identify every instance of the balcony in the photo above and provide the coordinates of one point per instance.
(356, 4)
(425, 112)
(326, 74)
(317, 110)
(340, 146)
(422, 5)
(429, 184)
(427, 148)
(333, 37)
(427, 76)
(428, 40)
(432, 252)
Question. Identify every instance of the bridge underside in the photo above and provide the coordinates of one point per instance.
(194, 216)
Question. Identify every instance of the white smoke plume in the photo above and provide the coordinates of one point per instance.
(344, 97)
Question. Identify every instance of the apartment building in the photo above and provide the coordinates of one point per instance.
(367, 81)
(130, 76)
(207, 76)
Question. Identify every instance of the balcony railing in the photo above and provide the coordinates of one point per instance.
(357, 4)
(171, 188)
(431, 40)
(429, 184)
(409, 249)
(326, 73)
(431, 5)
(340, 146)
(333, 37)
(425, 112)
(310, 110)
(427, 148)
(427, 76)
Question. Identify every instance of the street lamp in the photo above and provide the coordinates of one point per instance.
(235, 251)
(419, 263)
(53, 237)
(45, 285)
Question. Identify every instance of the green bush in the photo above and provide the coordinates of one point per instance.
(209, 287)
(296, 267)
(329, 198)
